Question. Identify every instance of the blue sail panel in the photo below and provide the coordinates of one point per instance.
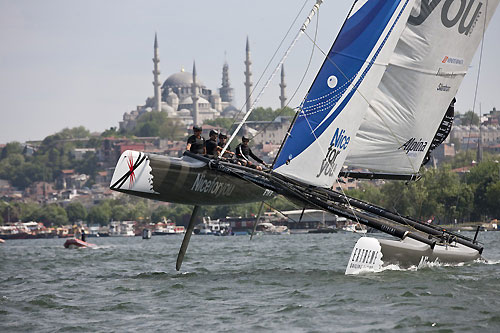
(357, 47)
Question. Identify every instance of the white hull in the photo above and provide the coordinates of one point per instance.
(373, 254)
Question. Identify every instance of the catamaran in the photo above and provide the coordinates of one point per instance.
(378, 102)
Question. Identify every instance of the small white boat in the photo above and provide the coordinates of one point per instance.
(355, 227)
(267, 228)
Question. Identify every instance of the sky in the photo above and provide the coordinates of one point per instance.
(71, 63)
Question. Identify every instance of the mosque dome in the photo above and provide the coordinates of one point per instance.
(184, 112)
(167, 108)
(230, 111)
(180, 79)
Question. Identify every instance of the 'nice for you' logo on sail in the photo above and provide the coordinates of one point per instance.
(338, 144)
(465, 13)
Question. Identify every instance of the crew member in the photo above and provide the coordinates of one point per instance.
(77, 233)
(243, 153)
(211, 144)
(196, 143)
(222, 142)
(84, 236)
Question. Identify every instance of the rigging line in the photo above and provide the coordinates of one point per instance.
(347, 200)
(282, 213)
(287, 52)
(287, 135)
(477, 79)
(362, 95)
(300, 83)
(268, 64)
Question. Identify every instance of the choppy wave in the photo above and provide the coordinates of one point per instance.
(293, 283)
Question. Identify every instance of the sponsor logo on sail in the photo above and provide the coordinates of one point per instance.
(414, 145)
(448, 75)
(443, 87)
(211, 186)
(339, 143)
(465, 13)
(453, 61)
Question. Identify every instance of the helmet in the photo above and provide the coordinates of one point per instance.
(197, 128)
(245, 139)
(214, 132)
(222, 136)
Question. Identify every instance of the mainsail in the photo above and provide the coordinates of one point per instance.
(429, 62)
(333, 109)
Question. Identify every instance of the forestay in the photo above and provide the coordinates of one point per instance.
(333, 109)
(424, 74)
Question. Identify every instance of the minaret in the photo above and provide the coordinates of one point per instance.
(194, 97)
(248, 75)
(226, 92)
(283, 86)
(156, 73)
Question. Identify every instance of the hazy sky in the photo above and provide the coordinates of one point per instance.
(69, 63)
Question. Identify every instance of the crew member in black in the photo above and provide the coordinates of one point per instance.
(243, 153)
(222, 142)
(196, 143)
(211, 144)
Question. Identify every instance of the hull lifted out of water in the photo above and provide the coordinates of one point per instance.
(371, 254)
(185, 180)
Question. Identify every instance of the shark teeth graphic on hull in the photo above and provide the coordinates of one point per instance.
(133, 173)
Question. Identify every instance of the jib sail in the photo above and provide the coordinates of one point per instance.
(424, 74)
(333, 109)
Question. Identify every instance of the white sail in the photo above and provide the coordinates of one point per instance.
(333, 109)
(425, 72)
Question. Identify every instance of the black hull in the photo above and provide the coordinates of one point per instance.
(184, 180)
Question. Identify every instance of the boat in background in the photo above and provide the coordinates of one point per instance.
(212, 227)
(121, 229)
(167, 227)
(73, 243)
(355, 227)
(267, 228)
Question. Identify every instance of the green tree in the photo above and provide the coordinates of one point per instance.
(99, 214)
(268, 114)
(223, 123)
(159, 213)
(469, 118)
(11, 148)
(76, 212)
(52, 214)
(493, 198)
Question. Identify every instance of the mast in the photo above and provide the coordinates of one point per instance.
(479, 156)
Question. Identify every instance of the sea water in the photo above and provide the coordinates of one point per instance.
(292, 283)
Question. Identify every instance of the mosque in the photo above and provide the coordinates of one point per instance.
(185, 98)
